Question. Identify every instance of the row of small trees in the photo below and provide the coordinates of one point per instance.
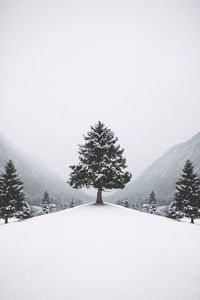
(47, 207)
(12, 198)
(149, 207)
(186, 200)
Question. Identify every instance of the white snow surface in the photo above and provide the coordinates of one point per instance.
(99, 253)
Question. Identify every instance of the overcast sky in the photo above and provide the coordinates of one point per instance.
(64, 65)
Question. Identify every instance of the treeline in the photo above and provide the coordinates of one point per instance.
(150, 206)
(185, 201)
(48, 207)
(13, 200)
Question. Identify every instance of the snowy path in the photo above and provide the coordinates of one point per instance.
(99, 253)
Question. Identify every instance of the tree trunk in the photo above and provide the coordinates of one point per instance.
(6, 220)
(192, 219)
(99, 197)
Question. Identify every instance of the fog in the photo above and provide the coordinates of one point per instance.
(64, 65)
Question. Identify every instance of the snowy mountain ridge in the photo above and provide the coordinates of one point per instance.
(37, 177)
(161, 175)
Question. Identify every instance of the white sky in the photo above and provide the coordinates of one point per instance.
(64, 65)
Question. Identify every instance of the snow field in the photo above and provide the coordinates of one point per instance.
(99, 253)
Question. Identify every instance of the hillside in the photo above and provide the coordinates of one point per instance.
(37, 177)
(163, 173)
(99, 253)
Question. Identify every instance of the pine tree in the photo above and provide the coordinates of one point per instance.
(11, 192)
(72, 204)
(176, 208)
(45, 202)
(126, 204)
(101, 163)
(152, 203)
(187, 196)
(24, 213)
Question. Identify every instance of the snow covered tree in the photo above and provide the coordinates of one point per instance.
(24, 213)
(45, 202)
(72, 204)
(11, 192)
(126, 204)
(187, 196)
(152, 203)
(101, 164)
(176, 210)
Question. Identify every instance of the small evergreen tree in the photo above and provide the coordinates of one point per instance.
(11, 192)
(176, 208)
(45, 202)
(126, 204)
(101, 164)
(72, 204)
(25, 212)
(187, 196)
(152, 203)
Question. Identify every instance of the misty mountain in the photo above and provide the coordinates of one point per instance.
(37, 177)
(161, 175)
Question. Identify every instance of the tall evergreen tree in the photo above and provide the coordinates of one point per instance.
(152, 203)
(11, 192)
(187, 196)
(45, 202)
(101, 164)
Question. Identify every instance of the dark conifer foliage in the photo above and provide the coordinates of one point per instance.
(176, 207)
(11, 192)
(101, 164)
(187, 197)
(45, 202)
(152, 203)
(25, 212)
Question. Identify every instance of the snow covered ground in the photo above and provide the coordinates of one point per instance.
(11, 220)
(188, 220)
(99, 253)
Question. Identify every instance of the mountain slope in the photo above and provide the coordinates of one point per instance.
(163, 173)
(36, 176)
(100, 253)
